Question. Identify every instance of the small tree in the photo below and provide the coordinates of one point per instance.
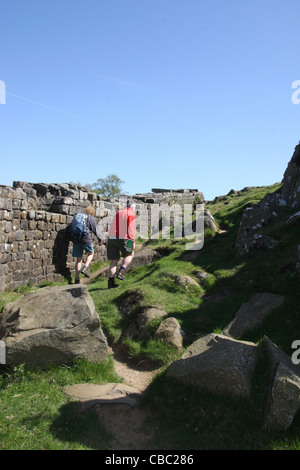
(111, 186)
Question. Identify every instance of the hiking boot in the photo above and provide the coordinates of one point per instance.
(77, 281)
(120, 275)
(111, 283)
(85, 271)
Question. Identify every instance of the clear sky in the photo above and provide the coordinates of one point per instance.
(163, 93)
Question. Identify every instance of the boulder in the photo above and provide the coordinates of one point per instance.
(283, 400)
(138, 328)
(170, 332)
(142, 258)
(294, 219)
(217, 364)
(53, 325)
(252, 313)
(183, 280)
(93, 394)
(208, 222)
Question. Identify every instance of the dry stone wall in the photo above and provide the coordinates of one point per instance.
(32, 221)
(33, 217)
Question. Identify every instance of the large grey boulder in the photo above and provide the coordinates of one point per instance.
(283, 399)
(252, 313)
(217, 364)
(53, 325)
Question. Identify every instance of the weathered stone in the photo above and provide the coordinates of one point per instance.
(138, 327)
(92, 394)
(183, 280)
(252, 313)
(170, 332)
(53, 325)
(283, 400)
(253, 219)
(144, 257)
(291, 180)
(294, 219)
(217, 364)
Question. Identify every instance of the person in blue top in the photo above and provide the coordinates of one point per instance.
(85, 244)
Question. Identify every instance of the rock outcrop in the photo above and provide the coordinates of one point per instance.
(52, 325)
(258, 215)
(291, 180)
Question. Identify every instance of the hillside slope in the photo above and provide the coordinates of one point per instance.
(223, 281)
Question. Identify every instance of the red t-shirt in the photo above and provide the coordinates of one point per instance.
(123, 224)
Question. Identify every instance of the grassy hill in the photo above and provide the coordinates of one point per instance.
(184, 418)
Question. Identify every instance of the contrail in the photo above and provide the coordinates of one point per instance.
(121, 81)
(45, 106)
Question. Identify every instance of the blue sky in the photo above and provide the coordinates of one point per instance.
(163, 93)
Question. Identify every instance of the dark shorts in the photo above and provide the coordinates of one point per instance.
(116, 248)
(79, 249)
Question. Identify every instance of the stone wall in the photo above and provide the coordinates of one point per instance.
(33, 217)
(33, 248)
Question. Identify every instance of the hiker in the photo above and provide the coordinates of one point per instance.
(84, 243)
(121, 241)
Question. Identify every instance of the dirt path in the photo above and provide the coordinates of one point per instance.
(117, 404)
(128, 423)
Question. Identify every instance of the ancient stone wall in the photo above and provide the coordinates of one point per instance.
(33, 218)
(33, 247)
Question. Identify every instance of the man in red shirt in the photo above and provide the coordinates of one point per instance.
(121, 241)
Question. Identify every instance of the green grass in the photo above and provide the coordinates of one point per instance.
(36, 414)
(186, 418)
